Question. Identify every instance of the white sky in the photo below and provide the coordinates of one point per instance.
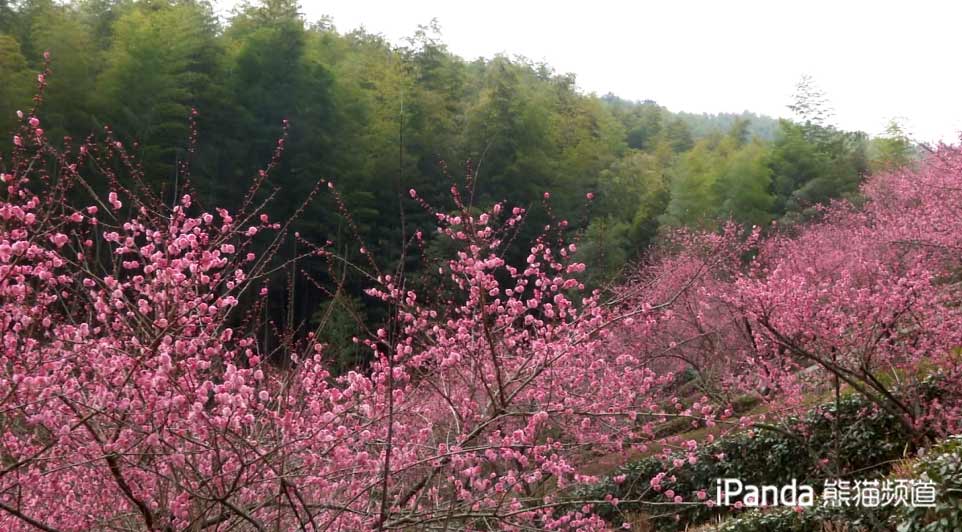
(874, 60)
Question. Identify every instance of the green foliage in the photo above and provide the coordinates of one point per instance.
(340, 321)
(761, 127)
(678, 135)
(72, 87)
(942, 465)
(744, 186)
(605, 249)
(692, 186)
(634, 189)
(892, 150)
(804, 449)
(646, 128)
(814, 519)
(813, 164)
(15, 89)
(158, 64)
(8, 16)
(722, 178)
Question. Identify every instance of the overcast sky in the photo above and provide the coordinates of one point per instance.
(874, 60)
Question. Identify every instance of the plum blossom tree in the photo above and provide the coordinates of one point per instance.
(134, 393)
(865, 298)
(869, 295)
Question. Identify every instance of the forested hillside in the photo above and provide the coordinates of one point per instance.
(378, 119)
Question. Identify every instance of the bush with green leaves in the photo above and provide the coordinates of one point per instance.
(804, 448)
(813, 519)
(943, 466)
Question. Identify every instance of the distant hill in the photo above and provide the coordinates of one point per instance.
(650, 116)
(705, 124)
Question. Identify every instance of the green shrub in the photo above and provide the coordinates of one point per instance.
(943, 466)
(814, 519)
(869, 440)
